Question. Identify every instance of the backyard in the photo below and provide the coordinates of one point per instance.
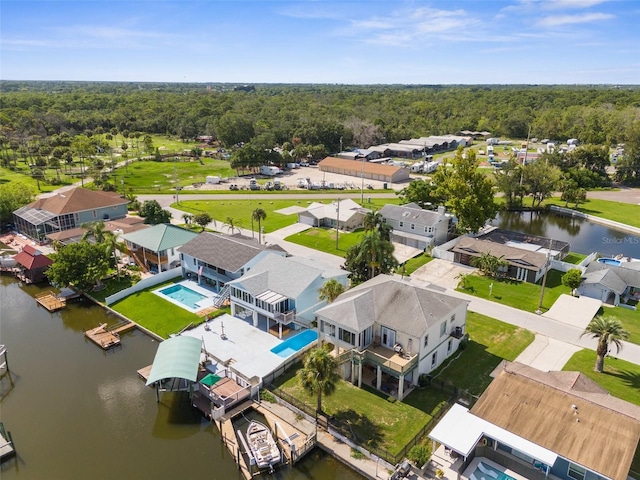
(626, 213)
(376, 421)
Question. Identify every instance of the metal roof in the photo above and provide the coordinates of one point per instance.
(272, 298)
(160, 237)
(177, 357)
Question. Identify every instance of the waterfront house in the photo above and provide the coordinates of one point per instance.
(66, 210)
(280, 293)
(416, 227)
(539, 424)
(395, 331)
(33, 264)
(326, 215)
(156, 248)
(613, 282)
(215, 259)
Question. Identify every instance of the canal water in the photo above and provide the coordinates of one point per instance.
(76, 412)
(585, 237)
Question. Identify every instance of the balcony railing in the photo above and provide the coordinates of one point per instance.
(457, 332)
(390, 361)
(286, 317)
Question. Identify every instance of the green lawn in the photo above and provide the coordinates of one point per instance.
(415, 263)
(629, 318)
(374, 420)
(574, 258)
(522, 295)
(626, 213)
(324, 239)
(156, 314)
(490, 342)
(21, 173)
(242, 210)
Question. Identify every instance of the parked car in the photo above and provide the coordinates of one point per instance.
(233, 186)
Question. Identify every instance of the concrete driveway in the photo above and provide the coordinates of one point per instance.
(547, 354)
(441, 273)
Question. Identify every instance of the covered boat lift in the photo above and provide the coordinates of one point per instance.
(177, 360)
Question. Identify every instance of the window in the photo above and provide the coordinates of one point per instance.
(453, 318)
(434, 359)
(428, 229)
(413, 226)
(195, 261)
(347, 336)
(95, 215)
(426, 340)
(449, 345)
(576, 472)
(401, 223)
(443, 329)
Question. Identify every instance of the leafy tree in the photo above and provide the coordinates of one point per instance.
(540, 181)
(81, 264)
(468, 193)
(421, 192)
(591, 157)
(508, 181)
(571, 193)
(628, 167)
(258, 215)
(203, 219)
(374, 221)
(14, 195)
(330, 290)
(233, 128)
(153, 213)
(607, 330)
(319, 375)
(572, 279)
(188, 218)
(96, 230)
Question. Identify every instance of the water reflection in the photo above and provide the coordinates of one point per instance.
(77, 412)
(584, 237)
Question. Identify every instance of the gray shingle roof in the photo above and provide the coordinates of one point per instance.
(289, 276)
(228, 252)
(614, 278)
(392, 302)
(410, 213)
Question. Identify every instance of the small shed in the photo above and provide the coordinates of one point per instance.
(33, 264)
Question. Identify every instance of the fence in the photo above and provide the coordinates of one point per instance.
(144, 283)
(442, 251)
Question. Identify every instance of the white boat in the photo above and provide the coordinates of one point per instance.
(262, 445)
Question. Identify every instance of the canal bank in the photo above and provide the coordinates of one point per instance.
(76, 411)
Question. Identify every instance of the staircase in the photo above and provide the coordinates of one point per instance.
(222, 297)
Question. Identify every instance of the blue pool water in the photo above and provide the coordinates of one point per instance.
(295, 343)
(487, 472)
(610, 261)
(183, 295)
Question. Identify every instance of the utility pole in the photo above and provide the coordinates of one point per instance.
(544, 279)
(362, 186)
(175, 177)
(337, 221)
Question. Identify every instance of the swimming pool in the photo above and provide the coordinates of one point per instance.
(487, 472)
(295, 344)
(610, 261)
(183, 295)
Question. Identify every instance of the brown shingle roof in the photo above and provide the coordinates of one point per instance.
(78, 200)
(516, 256)
(601, 433)
(369, 167)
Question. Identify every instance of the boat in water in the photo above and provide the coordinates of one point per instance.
(262, 445)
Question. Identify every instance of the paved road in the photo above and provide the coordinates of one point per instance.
(624, 195)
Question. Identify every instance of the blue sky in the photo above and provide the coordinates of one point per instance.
(363, 42)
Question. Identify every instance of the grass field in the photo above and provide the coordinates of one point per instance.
(522, 295)
(574, 258)
(629, 318)
(415, 263)
(324, 239)
(242, 210)
(626, 213)
(490, 342)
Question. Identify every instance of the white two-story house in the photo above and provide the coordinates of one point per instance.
(280, 293)
(215, 259)
(415, 227)
(395, 331)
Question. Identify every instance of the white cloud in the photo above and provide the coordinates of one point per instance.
(571, 4)
(559, 20)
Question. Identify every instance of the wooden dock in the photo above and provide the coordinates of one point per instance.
(50, 301)
(7, 448)
(145, 372)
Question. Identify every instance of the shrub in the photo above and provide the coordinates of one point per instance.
(357, 454)
(424, 380)
(419, 455)
(267, 396)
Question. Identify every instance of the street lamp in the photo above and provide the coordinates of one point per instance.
(362, 185)
(544, 278)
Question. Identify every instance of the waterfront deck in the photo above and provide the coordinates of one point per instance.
(144, 373)
(6, 444)
(50, 301)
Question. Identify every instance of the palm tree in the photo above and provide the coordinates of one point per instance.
(113, 245)
(96, 230)
(232, 224)
(377, 253)
(330, 290)
(259, 215)
(607, 330)
(372, 220)
(319, 374)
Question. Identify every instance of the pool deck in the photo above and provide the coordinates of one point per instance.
(245, 348)
(205, 303)
(474, 464)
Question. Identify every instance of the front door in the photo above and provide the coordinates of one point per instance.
(388, 337)
(521, 274)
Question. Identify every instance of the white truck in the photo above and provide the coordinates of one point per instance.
(269, 170)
